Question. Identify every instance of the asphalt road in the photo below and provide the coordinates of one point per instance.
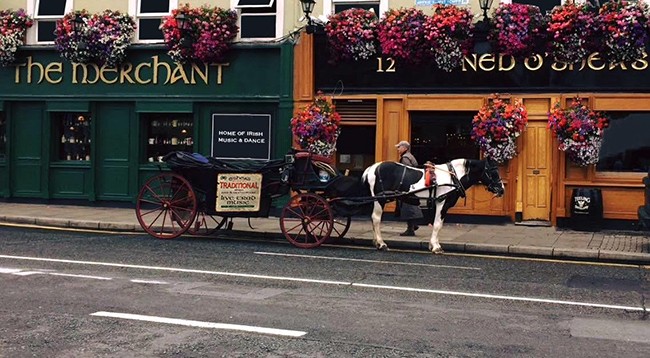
(75, 294)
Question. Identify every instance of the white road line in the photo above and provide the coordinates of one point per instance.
(153, 282)
(326, 282)
(79, 276)
(201, 324)
(176, 269)
(9, 270)
(500, 297)
(370, 261)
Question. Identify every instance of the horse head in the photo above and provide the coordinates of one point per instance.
(492, 179)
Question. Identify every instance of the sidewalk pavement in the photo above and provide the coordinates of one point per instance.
(506, 239)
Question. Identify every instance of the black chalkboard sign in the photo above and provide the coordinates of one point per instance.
(241, 136)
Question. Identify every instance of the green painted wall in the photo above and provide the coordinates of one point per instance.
(254, 79)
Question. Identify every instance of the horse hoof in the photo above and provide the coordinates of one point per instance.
(438, 251)
(382, 247)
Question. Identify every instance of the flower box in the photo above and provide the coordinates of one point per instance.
(13, 26)
(579, 130)
(497, 126)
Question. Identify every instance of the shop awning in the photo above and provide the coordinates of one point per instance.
(163, 107)
(68, 106)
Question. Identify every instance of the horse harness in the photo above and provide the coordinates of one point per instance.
(455, 182)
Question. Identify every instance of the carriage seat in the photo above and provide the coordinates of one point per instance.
(307, 168)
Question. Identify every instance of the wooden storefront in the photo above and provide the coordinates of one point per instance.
(540, 180)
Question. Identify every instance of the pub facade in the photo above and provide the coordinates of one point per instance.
(382, 102)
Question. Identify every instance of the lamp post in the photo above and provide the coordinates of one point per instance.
(307, 9)
(182, 24)
(485, 6)
(77, 25)
(481, 45)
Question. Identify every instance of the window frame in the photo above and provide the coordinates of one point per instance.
(134, 8)
(611, 174)
(32, 10)
(279, 18)
(328, 6)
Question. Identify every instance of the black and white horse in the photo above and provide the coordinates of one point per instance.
(390, 180)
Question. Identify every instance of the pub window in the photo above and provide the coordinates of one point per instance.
(149, 14)
(342, 5)
(73, 131)
(167, 133)
(355, 146)
(46, 13)
(257, 19)
(440, 136)
(3, 135)
(626, 143)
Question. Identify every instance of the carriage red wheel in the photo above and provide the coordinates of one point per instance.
(206, 224)
(166, 206)
(340, 227)
(307, 220)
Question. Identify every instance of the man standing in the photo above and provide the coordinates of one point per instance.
(407, 211)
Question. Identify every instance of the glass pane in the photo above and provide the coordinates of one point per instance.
(3, 135)
(342, 7)
(355, 149)
(51, 7)
(154, 6)
(149, 29)
(73, 129)
(46, 30)
(167, 133)
(262, 26)
(266, 3)
(626, 143)
(442, 136)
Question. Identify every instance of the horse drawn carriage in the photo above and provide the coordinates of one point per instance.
(199, 195)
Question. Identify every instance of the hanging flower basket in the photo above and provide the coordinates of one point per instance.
(449, 34)
(573, 31)
(352, 34)
(401, 35)
(13, 26)
(317, 126)
(496, 127)
(579, 131)
(518, 30)
(100, 38)
(207, 37)
(624, 28)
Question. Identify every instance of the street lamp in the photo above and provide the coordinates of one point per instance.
(77, 25)
(183, 24)
(481, 30)
(485, 6)
(308, 8)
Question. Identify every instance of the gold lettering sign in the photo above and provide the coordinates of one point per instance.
(504, 63)
(152, 72)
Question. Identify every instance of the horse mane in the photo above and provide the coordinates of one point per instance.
(474, 169)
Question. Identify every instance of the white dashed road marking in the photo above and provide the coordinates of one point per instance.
(201, 324)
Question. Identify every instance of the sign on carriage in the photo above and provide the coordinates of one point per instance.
(241, 136)
(238, 192)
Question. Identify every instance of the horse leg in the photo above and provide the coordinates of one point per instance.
(376, 230)
(434, 244)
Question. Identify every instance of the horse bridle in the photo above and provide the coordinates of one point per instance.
(491, 175)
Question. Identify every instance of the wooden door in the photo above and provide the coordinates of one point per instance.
(537, 172)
